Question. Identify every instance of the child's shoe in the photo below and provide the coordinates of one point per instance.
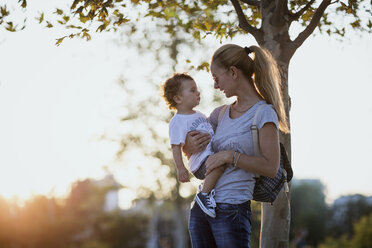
(207, 203)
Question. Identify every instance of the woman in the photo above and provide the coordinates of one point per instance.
(254, 82)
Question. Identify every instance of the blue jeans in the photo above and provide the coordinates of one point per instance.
(230, 228)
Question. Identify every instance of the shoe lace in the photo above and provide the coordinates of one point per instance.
(211, 203)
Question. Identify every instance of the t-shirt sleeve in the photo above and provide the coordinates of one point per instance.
(213, 117)
(267, 114)
(177, 132)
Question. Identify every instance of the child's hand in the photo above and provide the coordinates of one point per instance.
(183, 175)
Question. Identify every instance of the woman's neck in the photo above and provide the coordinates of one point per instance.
(247, 96)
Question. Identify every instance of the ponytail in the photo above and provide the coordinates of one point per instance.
(268, 83)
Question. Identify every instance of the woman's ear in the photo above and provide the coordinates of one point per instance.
(234, 71)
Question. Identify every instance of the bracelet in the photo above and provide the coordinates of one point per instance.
(236, 158)
(233, 162)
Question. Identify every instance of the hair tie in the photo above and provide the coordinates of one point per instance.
(247, 50)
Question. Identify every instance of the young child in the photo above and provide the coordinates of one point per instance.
(181, 93)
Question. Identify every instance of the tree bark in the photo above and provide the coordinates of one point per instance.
(275, 218)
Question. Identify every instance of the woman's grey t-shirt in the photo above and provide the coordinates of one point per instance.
(236, 185)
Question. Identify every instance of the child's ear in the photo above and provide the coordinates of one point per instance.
(177, 99)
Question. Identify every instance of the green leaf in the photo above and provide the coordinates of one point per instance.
(66, 18)
(86, 35)
(196, 35)
(369, 24)
(59, 41)
(74, 4)
(355, 24)
(84, 19)
(24, 3)
(203, 66)
(41, 18)
(10, 27)
(4, 12)
(208, 26)
(73, 27)
(49, 25)
(59, 12)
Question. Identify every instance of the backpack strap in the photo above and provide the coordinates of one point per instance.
(221, 113)
(254, 130)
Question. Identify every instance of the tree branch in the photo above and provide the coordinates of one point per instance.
(297, 15)
(280, 10)
(312, 25)
(243, 23)
(252, 2)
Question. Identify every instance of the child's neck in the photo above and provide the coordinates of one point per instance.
(185, 111)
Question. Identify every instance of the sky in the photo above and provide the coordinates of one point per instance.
(57, 102)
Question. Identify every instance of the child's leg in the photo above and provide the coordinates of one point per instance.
(212, 178)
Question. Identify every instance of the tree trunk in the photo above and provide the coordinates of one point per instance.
(275, 218)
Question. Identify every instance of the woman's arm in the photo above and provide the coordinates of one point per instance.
(266, 165)
(195, 142)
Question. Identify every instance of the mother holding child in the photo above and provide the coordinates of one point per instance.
(221, 216)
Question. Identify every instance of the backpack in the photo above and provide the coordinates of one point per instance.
(266, 189)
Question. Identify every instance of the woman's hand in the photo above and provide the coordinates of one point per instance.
(218, 159)
(195, 142)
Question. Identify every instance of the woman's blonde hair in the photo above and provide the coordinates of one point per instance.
(261, 71)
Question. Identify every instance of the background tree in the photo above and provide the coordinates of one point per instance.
(362, 233)
(346, 211)
(309, 212)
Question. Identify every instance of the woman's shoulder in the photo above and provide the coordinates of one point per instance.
(265, 107)
(267, 114)
(213, 117)
(215, 113)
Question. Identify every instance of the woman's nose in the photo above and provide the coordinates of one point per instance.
(215, 85)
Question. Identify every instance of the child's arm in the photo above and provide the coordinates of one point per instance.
(182, 172)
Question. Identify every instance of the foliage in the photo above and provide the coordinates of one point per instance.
(217, 18)
(346, 211)
(330, 242)
(362, 233)
(5, 14)
(362, 236)
(309, 210)
(77, 221)
(222, 19)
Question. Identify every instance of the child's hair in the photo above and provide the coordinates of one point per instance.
(172, 87)
(262, 71)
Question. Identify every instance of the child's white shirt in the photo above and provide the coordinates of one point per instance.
(181, 124)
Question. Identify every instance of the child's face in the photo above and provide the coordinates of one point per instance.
(189, 95)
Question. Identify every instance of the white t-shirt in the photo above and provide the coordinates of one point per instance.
(181, 124)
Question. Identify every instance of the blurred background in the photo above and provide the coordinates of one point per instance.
(84, 153)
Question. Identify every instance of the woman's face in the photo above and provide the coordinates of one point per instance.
(222, 80)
